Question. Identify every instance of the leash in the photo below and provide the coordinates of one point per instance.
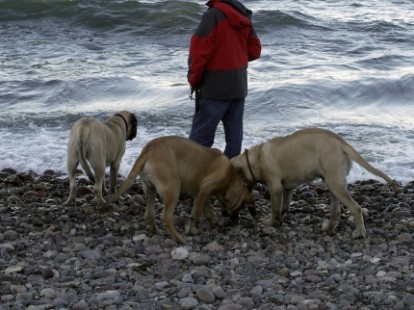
(195, 94)
(126, 124)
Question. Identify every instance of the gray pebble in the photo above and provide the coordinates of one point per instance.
(49, 293)
(10, 235)
(205, 295)
(26, 298)
(218, 292)
(201, 259)
(188, 303)
(81, 305)
(91, 254)
(230, 307)
(108, 295)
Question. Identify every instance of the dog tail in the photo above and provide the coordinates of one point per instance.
(356, 157)
(130, 179)
(83, 133)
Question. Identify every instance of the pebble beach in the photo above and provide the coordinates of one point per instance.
(81, 257)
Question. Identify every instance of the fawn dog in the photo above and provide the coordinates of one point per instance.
(172, 165)
(286, 162)
(97, 145)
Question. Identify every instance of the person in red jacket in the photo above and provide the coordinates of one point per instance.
(220, 49)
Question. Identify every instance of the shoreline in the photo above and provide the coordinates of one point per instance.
(77, 257)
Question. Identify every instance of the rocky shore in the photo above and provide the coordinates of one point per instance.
(56, 257)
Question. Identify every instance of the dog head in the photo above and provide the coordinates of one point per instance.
(131, 123)
(237, 195)
(132, 128)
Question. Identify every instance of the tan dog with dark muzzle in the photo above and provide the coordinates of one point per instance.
(173, 165)
(286, 162)
(97, 145)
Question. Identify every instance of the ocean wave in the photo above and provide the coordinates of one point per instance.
(28, 9)
(267, 21)
(37, 94)
(385, 62)
(135, 16)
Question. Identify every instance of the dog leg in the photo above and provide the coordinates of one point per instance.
(98, 190)
(113, 176)
(276, 197)
(330, 226)
(99, 179)
(149, 215)
(209, 214)
(287, 197)
(72, 163)
(200, 202)
(72, 190)
(354, 208)
(170, 193)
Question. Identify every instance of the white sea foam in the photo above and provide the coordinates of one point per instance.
(341, 66)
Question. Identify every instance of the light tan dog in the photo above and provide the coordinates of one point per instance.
(286, 162)
(97, 145)
(172, 165)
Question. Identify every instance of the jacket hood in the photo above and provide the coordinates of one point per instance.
(238, 15)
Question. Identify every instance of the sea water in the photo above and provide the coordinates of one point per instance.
(341, 65)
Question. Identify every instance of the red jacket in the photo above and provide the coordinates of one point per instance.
(220, 49)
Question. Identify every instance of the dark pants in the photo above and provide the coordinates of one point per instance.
(206, 120)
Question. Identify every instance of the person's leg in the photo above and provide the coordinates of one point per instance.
(233, 128)
(206, 120)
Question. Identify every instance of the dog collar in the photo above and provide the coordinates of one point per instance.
(246, 152)
(126, 124)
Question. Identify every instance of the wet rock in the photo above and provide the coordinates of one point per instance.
(200, 259)
(64, 257)
(179, 253)
(10, 235)
(205, 295)
(91, 254)
(48, 293)
(188, 303)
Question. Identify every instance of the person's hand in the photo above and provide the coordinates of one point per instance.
(193, 90)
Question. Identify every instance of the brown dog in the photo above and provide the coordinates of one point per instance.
(286, 162)
(97, 145)
(172, 165)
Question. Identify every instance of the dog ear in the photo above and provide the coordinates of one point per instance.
(134, 126)
(245, 181)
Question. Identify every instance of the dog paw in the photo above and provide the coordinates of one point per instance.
(153, 228)
(359, 234)
(328, 227)
(212, 220)
(190, 228)
(325, 225)
(106, 206)
(68, 203)
(179, 239)
(103, 208)
(365, 213)
(270, 221)
(88, 210)
(393, 184)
